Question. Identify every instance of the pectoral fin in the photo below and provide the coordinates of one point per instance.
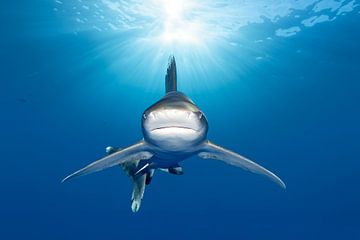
(136, 152)
(210, 150)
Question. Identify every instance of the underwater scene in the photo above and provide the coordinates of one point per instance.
(191, 119)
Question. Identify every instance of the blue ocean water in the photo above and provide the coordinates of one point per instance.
(279, 82)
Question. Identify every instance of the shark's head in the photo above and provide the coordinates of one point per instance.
(174, 123)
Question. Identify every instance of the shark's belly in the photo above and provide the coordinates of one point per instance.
(165, 162)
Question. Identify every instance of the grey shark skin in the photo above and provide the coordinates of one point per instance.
(174, 129)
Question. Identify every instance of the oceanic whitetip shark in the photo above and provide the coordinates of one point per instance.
(174, 129)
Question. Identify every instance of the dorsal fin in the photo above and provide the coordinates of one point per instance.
(170, 78)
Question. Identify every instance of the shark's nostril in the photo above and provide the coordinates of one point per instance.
(151, 115)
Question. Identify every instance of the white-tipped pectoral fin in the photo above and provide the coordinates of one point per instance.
(210, 150)
(136, 152)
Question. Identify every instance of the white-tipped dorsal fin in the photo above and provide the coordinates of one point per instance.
(210, 150)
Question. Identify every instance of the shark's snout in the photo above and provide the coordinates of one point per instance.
(174, 128)
(173, 118)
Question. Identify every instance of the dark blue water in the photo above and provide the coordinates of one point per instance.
(289, 103)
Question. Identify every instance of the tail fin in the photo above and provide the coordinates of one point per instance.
(170, 79)
(138, 181)
(138, 192)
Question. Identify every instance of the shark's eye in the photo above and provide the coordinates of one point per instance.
(144, 116)
(200, 115)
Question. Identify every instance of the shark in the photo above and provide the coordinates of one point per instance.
(174, 129)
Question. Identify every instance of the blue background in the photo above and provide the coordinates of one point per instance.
(296, 114)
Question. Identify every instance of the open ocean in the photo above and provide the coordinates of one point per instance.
(279, 82)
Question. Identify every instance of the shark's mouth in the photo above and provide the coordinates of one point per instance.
(175, 131)
(179, 128)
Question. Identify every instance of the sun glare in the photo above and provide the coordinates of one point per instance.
(177, 24)
(173, 9)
